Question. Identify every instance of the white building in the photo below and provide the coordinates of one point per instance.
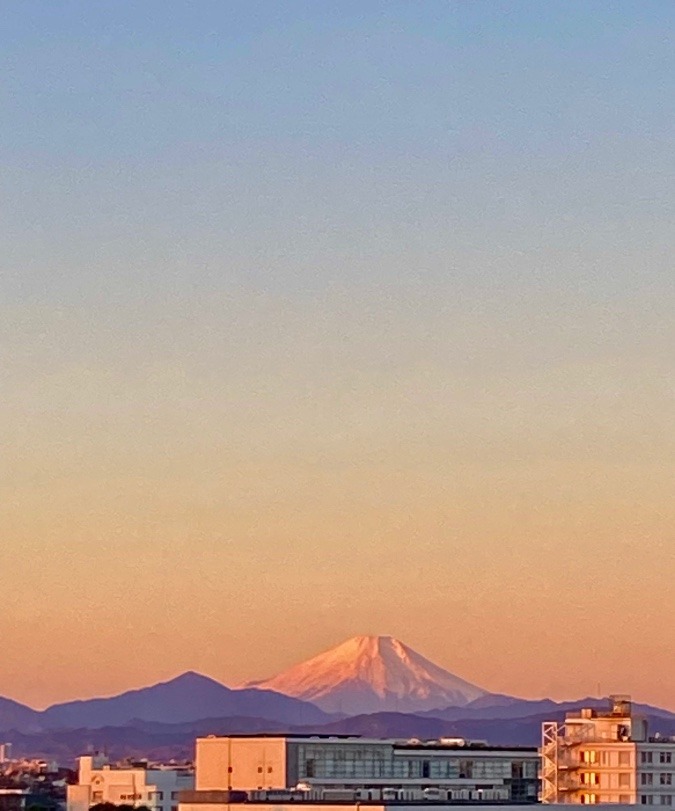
(606, 757)
(330, 767)
(156, 787)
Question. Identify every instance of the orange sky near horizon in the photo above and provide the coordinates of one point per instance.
(513, 524)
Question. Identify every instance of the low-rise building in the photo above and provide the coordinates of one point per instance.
(606, 757)
(141, 784)
(330, 767)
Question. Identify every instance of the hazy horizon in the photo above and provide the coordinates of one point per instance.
(597, 693)
(326, 319)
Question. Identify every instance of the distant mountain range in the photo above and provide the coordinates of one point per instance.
(188, 697)
(164, 741)
(369, 674)
(372, 686)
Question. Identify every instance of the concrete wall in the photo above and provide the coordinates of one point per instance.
(240, 763)
(78, 798)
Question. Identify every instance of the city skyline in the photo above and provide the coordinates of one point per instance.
(321, 321)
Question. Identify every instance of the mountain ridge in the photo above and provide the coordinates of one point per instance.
(366, 674)
(186, 697)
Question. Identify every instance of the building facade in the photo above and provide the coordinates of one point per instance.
(606, 757)
(448, 769)
(157, 787)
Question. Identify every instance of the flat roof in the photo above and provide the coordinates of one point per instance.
(289, 735)
(468, 747)
(398, 743)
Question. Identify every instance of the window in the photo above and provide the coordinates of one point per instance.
(589, 756)
(466, 769)
(624, 780)
(309, 767)
(269, 770)
(646, 779)
(665, 778)
(647, 799)
(624, 758)
(666, 799)
(665, 757)
(174, 795)
(645, 757)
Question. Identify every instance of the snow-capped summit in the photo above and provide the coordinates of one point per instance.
(372, 674)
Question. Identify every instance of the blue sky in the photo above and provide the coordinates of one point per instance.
(274, 134)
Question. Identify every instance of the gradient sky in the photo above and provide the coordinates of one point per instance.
(320, 319)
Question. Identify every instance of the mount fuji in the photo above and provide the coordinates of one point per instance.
(368, 674)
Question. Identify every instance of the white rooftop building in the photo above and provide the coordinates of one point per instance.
(156, 787)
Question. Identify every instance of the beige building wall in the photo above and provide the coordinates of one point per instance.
(240, 763)
(607, 773)
(78, 798)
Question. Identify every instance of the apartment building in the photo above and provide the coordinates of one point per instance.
(606, 757)
(156, 787)
(324, 766)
